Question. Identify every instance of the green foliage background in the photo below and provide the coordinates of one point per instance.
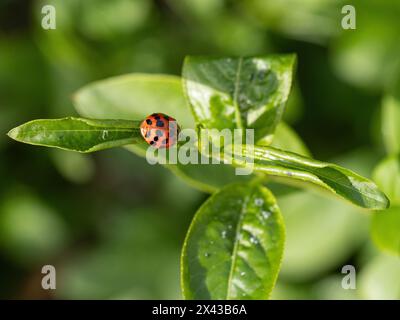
(112, 224)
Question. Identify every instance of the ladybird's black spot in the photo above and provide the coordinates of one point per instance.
(151, 142)
(155, 138)
(160, 124)
(148, 121)
(157, 117)
(159, 133)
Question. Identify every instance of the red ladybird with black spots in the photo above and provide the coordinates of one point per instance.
(159, 130)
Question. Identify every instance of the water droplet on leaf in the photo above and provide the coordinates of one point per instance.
(253, 240)
(265, 214)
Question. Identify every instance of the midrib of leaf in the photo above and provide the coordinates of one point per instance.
(235, 95)
(236, 244)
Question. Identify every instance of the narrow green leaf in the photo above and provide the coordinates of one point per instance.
(77, 134)
(385, 230)
(334, 178)
(239, 93)
(387, 177)
(234, 245)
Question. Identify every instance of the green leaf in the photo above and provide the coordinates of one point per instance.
(207, 177)
(391, 124)
(287, 139)
(204, 177)
(334, 178)
(234, 245)
(134, 96)
(321, 233)
(77, 134)
(239, 93)
(385, 230)
(380, 279)
(31, 231)
(73, 166)
(387, 177)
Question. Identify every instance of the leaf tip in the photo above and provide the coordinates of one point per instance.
(386, 202)
(13, 133)
(383, 202)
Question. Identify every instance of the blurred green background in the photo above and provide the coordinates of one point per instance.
(113, 225)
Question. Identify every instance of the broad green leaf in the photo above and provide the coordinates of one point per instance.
(334, 178)
(391, 124)
(330, 288)
(210, 178)
(234, 246)
(204, 177)
(286, 291)
(104, 20)
(285, 138)
(387, 177)
(385, 230)
(239, 93)
(73, 166)
(207, 178)
(134, 96)
(321, 234)
(312, 21)
(369, 57)
(30, 230)
(380, 279)
(77, 134)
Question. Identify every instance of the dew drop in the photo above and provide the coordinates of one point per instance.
(242, 273)
(265, 214)
(253, 240)
(259, 202)
(223, 234)
(104, 135)
(206, 254)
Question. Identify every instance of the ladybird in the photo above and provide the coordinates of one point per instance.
(159, 130)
